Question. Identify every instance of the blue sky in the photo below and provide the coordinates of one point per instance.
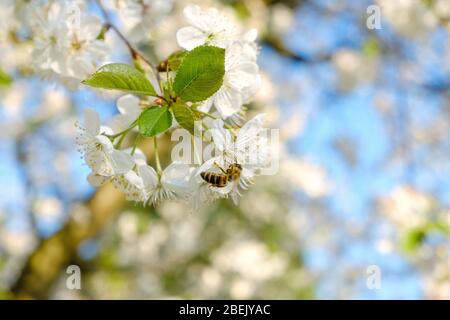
(354, 117)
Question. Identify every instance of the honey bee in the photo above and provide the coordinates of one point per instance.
(220, 180)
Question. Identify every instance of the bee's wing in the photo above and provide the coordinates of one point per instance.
(206, 166)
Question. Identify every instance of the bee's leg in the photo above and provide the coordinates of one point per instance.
(218, 166)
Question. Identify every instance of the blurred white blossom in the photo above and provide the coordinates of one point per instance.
(66, 40)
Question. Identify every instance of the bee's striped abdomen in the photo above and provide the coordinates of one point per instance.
(216, 179)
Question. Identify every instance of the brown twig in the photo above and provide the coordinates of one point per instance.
(135, 53)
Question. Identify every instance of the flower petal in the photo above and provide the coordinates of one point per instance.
(250, 145)
(92, 121)
(133, 179)
(99, 162)
(221, 136)
(105, 142)
(206, 105)
(149, 176)
(96, 180)
(252, 127)
(227, 101)
(192, 13)
(235, 196)
(250, 35)
(106, 130)
(190, 38)
(129, 104)
(176, 177)
(243, 75)
(139, 157)
(121, 161)
(91, 28)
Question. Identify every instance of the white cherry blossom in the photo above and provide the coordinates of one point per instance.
(197, 192)
(98, 150)
(174, 181)
(139, 17)
(249, 148)
(130, 183)
(128, 169)
(241, 80)
(66, 42)
(129, 111)
(207, 27)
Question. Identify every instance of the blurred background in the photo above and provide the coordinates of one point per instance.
(364, 174)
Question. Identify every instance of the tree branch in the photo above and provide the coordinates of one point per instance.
(135, 53)
(277, 44)
(53, 254)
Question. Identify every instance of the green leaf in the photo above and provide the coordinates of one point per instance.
(200, 74)
(121, 76)
(5, 79)
(439, 227)
(413, 239)
(175, 59)
(185, 116)
(154, 120)
(371, 47)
